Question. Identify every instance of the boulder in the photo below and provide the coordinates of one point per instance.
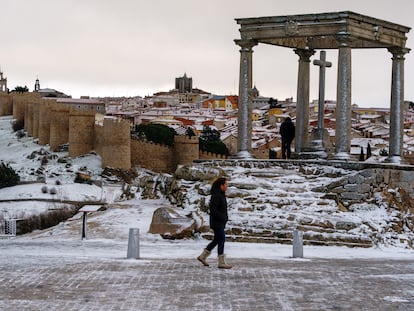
(171, 225)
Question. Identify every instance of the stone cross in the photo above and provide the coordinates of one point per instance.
(322, 63)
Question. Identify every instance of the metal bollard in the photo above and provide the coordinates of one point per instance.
(133, 243)
(297, 244)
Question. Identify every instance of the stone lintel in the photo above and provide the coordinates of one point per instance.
(319, 31)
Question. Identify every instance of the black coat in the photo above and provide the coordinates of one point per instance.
(287, 130)
(218, 209)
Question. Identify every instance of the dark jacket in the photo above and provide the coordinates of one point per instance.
(287, 130)
(218, 209)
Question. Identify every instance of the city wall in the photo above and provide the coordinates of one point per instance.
(58, 124)
(44, 121)
(6, 105)
(116, 151)
(155, 157)
(81, 132)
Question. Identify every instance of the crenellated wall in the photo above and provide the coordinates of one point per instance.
(85, 131)
(117, 144)
(81, 132)
(155, 157)
(204, 155)
(186, 149)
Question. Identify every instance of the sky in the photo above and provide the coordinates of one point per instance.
(137, 47)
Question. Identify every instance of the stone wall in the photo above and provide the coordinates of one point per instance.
(81, 132)
(362, 185)
(28, 118)
(44, 122)
(117, 144)
(6, 105)
(59, 126)
(204, 155)
(19, 104)
(186, 149)
(35, 125)
(155, 157)
(99, 138)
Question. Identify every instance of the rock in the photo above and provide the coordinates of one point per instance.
(194, 173)
(171, 225)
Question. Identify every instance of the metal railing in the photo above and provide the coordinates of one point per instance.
(8, 228)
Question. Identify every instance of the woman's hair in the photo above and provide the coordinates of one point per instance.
(218, 182)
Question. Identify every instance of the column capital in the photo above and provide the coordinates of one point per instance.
(398, 52)
(304, 54)
(245, 44)
(343, 39)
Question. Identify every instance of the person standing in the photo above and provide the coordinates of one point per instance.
(218, 220)
(287, 131)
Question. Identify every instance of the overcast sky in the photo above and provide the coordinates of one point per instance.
(138, 47)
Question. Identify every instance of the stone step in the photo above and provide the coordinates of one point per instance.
(309, 238)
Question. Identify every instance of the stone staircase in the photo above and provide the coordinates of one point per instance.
(340, 204)
(267, 205)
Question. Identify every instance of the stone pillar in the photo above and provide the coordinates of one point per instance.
(302, 101)
(244, 137)
(343, 102)
(397, 111)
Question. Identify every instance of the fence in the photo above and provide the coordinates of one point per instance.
(8, 228)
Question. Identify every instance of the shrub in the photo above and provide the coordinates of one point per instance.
(210, 141)
(8, 177)
(44, 189)
(157, 133)
(53, 191)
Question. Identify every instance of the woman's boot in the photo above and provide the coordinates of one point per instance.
(222, 264)
(203, 257)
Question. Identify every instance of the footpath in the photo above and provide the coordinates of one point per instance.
(94, 275)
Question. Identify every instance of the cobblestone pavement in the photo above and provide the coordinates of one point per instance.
(62, 283)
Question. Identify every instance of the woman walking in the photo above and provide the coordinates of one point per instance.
(218, 220)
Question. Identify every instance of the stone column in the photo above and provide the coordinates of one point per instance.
(244, 137)
(397, 110)
(302, 101)
(343, 102)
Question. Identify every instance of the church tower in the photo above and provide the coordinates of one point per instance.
(37, 85)
(3, 83)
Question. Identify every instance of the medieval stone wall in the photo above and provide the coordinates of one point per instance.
(28, 118)
(117, 144)
(35, 125)
(203, 155)
(186, 149)
(44, 122)
(19, 104)
(81, 132)
(6, 105)
(99, 138)
(59, 126)
(155, 157)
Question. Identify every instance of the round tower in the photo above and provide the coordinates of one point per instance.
(59, 126)
(117, 144)
(81, 132)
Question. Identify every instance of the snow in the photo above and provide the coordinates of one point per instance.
(107, 231)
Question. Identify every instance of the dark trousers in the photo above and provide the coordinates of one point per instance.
(219, 239)
(286, 148)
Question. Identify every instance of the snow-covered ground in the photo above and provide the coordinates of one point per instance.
(107, 230)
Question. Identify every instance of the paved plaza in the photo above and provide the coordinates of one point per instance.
(34, 280)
